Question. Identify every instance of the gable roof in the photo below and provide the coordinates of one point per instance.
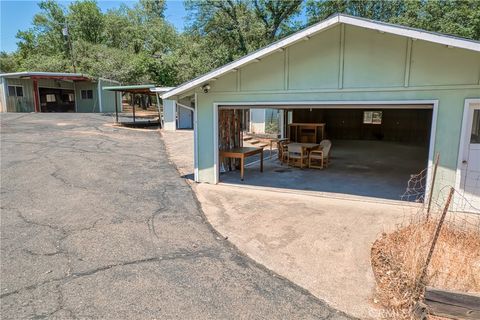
(318, 27)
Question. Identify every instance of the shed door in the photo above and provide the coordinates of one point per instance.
(470, 171)
(185, 120)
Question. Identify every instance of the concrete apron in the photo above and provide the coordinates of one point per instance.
(331, 195)
(320, 242)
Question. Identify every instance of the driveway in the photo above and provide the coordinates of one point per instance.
(320, 242)
(96, 223)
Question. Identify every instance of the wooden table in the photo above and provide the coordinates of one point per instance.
(242, 153)
(305, 145)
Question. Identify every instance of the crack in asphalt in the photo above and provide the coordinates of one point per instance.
(181, 255)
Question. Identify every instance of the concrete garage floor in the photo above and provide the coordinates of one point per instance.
(319, 242)
(97, 224)
(361, 168)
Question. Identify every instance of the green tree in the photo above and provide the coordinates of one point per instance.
(8, 62)
(276, 16)
(455, 17)
(85, 21)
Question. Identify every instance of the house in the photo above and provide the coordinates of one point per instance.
(54, 92)
(389, 97)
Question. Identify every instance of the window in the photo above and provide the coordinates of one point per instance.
(87, 94)
(68, 97)
(51, 98)
(15, 91)
(475, 136)
(372, 117)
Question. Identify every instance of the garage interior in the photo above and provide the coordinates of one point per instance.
(56, 100)
(369, 157)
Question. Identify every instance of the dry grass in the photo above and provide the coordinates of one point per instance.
(398, 259)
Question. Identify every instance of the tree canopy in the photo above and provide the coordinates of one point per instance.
(136, 45)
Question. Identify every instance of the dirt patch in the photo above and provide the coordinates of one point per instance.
(399, 257)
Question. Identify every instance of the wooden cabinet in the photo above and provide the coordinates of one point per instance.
(306, 132)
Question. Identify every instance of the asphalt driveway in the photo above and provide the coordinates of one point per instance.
(96, 223)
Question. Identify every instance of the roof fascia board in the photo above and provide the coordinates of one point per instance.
(411, 33)
(52, 74)
(253, 56)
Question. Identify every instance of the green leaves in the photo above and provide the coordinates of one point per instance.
(454, 17)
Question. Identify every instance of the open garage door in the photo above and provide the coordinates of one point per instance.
(375, 148)
(56, 100)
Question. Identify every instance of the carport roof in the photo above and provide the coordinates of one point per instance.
(138, 88)
(321, 26)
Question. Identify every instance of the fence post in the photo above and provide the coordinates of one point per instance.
(434, 241)
(432, 184)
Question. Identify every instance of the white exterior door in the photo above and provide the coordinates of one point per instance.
(469, 163)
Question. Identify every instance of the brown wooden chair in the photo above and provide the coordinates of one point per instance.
(321, 155)
(282, 146)
(297, 156)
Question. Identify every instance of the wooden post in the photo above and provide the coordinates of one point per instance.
(36, 98)
(133, 113)
(432, 184)
(116, 107)
(434, 240)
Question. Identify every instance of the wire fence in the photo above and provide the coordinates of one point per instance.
(437, 244)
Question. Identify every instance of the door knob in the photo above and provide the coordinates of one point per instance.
(464, 161)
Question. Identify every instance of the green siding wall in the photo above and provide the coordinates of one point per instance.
(86, 105)
(373, 59)
(436, 64)
(348, 63)
(24, 104)
(314, 63)
(108, 97)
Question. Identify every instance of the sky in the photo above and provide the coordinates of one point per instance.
(18, 15)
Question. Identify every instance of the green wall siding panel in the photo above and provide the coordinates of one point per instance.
(21, 104)
(86, 105)
(435, 64)
(108, 97)
(315, 63)
(373, 58)
(228, 83)
(267, 74)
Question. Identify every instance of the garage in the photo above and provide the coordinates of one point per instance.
(387, 98)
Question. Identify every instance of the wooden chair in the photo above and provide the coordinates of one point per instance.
(321, 155)
(297, 154)
(282, 146)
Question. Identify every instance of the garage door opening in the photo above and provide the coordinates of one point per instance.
(57, 100)
(375, 149)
